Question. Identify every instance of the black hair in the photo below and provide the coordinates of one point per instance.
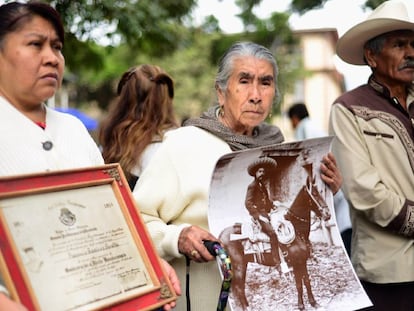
(14, 14)
(299, 110)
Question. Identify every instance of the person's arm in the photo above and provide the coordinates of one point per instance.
(364, 185)
(172, 197)
(160, 200)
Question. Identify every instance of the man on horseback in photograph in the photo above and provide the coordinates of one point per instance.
(259, 204)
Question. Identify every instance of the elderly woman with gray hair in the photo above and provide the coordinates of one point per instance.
(172, 193)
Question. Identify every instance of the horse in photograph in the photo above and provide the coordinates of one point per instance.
(296, 251)
(238, 263)
(234, 240)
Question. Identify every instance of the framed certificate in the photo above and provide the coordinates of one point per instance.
(74, 240)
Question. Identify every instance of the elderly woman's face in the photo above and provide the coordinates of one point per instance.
(31, 64)
(249, 95)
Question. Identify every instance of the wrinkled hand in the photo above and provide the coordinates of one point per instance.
(330, 173)
(175, 282)
(7, 304)
(190, 243)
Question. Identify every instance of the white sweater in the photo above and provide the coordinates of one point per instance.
(171, 194)
(22, 141)
(22, 144)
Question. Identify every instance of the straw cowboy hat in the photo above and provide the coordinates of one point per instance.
(264, 162)
(389, 16)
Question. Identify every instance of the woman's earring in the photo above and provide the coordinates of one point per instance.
(221, 111)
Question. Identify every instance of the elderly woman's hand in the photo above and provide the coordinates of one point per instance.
(190, 243)
(330, 173)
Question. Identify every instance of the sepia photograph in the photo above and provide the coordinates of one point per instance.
(275, 218)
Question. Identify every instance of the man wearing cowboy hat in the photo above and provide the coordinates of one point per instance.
(374, 146)
(258, 202)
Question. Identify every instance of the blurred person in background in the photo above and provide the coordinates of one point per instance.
(303, 125)
(138, 120)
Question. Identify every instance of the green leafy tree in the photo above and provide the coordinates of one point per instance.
(105, 37)
(298, 6)
(146, 25)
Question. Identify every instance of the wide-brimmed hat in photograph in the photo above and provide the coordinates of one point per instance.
(389, 16)
(263, 162)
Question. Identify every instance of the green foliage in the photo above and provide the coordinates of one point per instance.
(373, 3)
(210, 25)
(302, 6)
(298, 6)
(147, 25)
(189, 66)
(81, 55)
(193, 75)
(105, 37)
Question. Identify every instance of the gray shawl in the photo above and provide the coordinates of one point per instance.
(263, 135)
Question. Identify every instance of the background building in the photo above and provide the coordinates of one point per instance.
(323, 83)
